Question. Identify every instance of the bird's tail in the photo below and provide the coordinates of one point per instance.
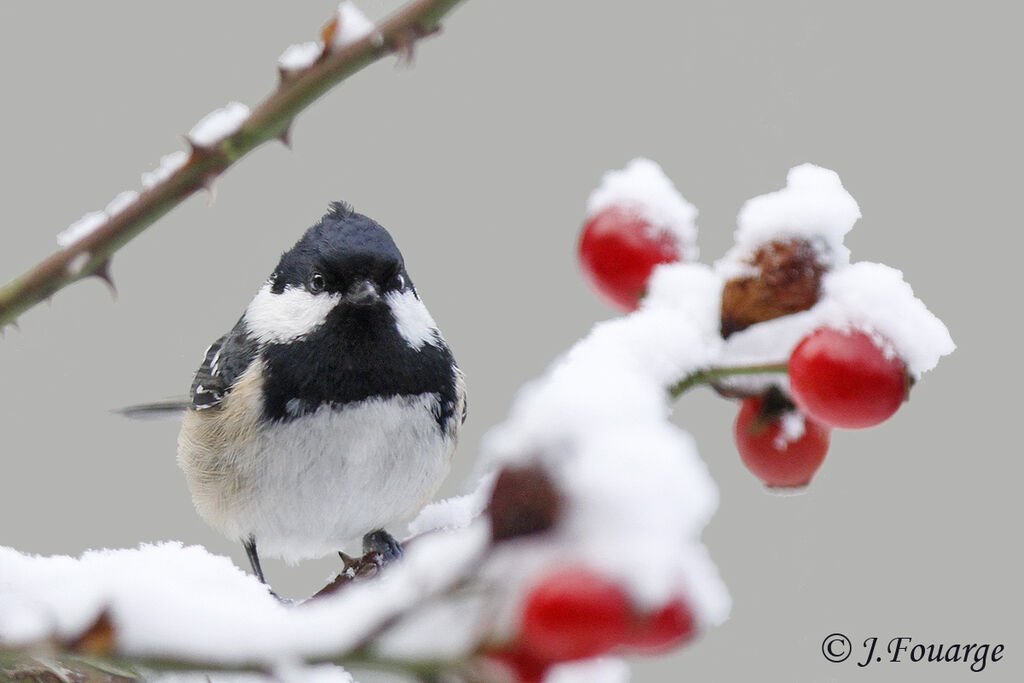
(164, 410)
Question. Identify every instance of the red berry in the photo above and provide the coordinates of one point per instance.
(663, 630)
(845, 380)
(574, 613)
(769, 455)
(618, 250)
(526, 667)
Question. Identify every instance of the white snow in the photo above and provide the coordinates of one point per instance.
(814, 205)
(598, 670)
(81, 228)
(94, 219)
(792, 428)
(166, 600)
(874, 298)
(352, 25)
(453, 513)
(597, 420)
(169, 163)
(218, 124)
(866, 296)
(121, 202)
(454, 626)
(300, 56)
(88, 223)
(643, 187)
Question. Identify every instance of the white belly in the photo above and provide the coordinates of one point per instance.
(309, 487)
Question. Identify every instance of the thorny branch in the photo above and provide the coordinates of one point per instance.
(93, 657)
(524, 502)
(270, 120)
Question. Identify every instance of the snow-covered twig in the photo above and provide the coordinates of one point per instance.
(711, 375)
(219, 140)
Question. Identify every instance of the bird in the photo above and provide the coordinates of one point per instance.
(331, 410)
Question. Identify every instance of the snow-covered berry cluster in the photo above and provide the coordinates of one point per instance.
(848, 340)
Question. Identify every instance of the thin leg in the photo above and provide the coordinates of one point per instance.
(382, 542)
(254, 558)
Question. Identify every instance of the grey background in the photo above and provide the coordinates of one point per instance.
(479, 160)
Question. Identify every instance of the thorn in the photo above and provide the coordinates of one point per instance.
(207, 184)
(286, 76)
(103, 273)
(99, 639)
(404, 42)
(422, 32)
(328, 32)
(286, 136)
(347, 559)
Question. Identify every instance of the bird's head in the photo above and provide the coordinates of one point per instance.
(347, 257)
(346, 261)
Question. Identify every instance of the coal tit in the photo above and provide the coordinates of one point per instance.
(332, 408)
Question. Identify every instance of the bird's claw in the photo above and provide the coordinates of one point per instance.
(383, 544)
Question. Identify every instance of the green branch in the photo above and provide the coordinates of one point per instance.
(271, 119)
(714, 374)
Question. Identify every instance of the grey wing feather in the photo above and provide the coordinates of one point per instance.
(226, 359)
(155, 411)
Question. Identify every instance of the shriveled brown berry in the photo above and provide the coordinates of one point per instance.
(788, 281)
(524, 501)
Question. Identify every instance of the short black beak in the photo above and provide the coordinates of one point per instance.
(362, 293)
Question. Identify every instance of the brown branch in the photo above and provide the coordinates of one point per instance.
(271, 119)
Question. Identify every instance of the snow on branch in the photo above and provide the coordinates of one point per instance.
(350, 43)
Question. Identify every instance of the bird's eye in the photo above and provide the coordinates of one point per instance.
(399, 281)
(316, 283)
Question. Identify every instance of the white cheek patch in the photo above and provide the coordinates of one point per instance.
(289, 315)
(413, 319)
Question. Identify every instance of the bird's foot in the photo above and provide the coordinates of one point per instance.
(383, 545)
(379, 548)
(356, 567)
